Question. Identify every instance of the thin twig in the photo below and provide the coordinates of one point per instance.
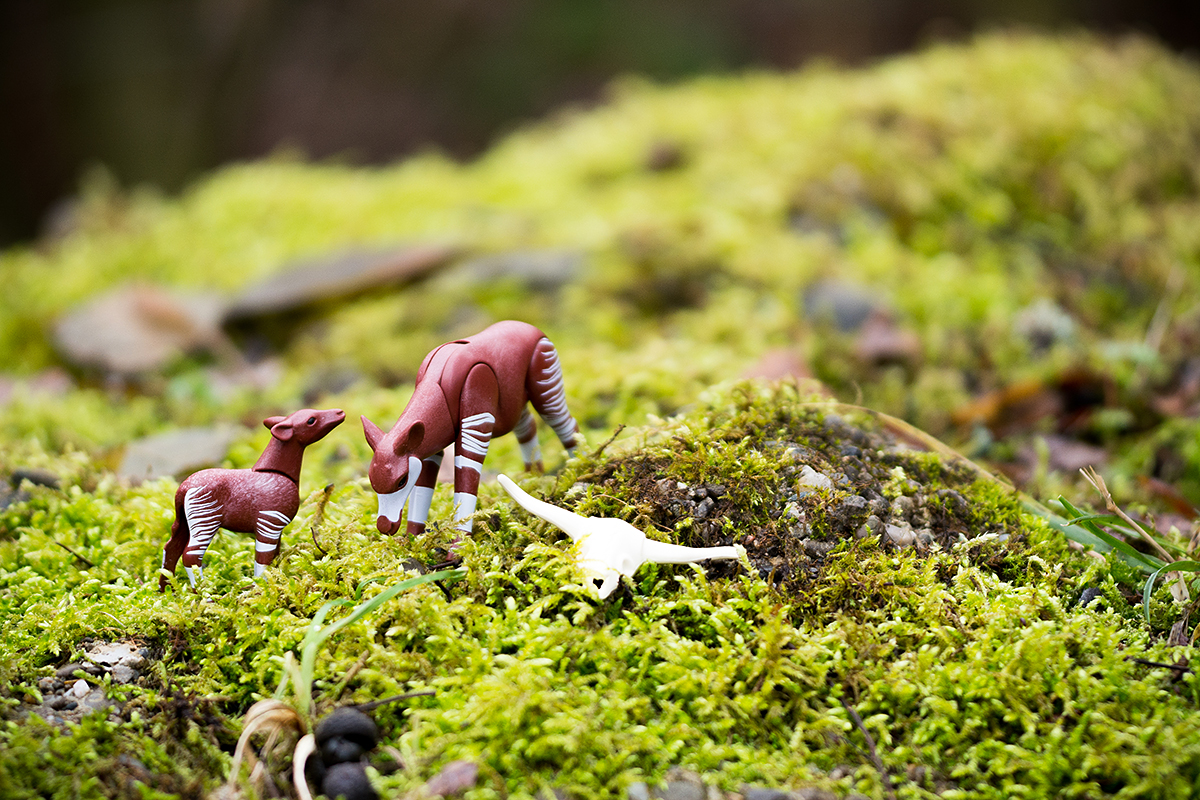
(875, 759)
(374, 704)
(1097, 481)
(349, 676)
(319, 516)
(609, 440)
(72, 552)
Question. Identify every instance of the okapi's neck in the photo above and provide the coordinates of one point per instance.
(281, 457)
(428, 406)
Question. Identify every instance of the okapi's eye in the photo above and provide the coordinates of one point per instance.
(312, 420)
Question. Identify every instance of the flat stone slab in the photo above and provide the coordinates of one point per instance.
(539, 270)
(175, 452)
(337, 275)
(139, 328)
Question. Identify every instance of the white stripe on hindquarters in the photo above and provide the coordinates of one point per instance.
(476, 434)
(553, 396)
(203, 514)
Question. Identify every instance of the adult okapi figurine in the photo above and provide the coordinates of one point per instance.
(261, 500)
(468, 391)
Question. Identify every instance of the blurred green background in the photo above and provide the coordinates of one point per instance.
(159, 91)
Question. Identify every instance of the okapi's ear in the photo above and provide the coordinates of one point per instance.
(412, 439)
(281, 430)
(271, 422)
(372, 432)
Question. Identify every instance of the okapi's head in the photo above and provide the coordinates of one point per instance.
(305, 426)
(395, 467)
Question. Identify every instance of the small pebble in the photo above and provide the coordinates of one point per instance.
(68, 671)
(1088, 595)
(80, 688)
(901, 537)
(638, 790)
(811, 478)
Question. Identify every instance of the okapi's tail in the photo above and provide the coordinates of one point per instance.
(175, 546)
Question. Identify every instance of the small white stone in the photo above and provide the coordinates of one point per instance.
(813, 479)
(80, 688)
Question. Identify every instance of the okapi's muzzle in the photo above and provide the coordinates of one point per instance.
(391, 505)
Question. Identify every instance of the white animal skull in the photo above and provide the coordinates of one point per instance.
(609, 548)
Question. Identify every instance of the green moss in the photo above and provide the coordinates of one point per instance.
(962, 183)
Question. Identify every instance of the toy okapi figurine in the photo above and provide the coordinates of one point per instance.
(261, 500)
(468, 391)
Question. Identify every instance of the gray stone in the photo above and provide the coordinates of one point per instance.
(817, 549)
(539, 270)
(760, 793)
(123, 674)
(175, 452)
(335, 276)
(901, 536)
(138, 329)
(1043, 324)
(68, 670)
(638, 790)
(813, 793)
(114, 653)
(845, 305)
(9, 497)
(682, 784)
(902, 507)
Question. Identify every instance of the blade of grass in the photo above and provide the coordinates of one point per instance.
(1136, 558)
(316, 634)
(1094, 478)
(1178, 566)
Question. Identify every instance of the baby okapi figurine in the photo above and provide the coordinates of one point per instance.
(261, 500)
(468, 391)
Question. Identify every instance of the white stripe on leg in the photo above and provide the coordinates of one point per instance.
(464, 507)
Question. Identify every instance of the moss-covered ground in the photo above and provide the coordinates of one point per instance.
(969, 187)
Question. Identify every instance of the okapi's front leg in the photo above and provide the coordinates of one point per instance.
(422, 495)
(266, 538)
(478, 405)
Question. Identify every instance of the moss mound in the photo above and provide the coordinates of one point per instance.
(1018, 214)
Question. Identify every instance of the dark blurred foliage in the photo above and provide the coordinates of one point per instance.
(159, 90)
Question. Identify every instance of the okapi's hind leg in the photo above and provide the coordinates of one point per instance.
(203, 514)
(526, 433)
(173, 549)
(548, 395)
(266, 538)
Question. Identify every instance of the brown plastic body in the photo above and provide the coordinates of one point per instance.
(260, 500)
(469, 391)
